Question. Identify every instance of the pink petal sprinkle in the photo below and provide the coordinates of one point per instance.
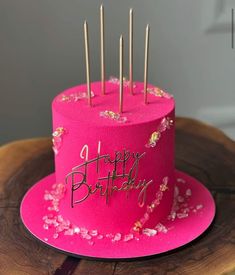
(188, 193)
(176, 191)
(45, 226)
(161, 228)
(69, 232)
(182, 215)
(181, 180)
(83, 230)
(94, 233)
(76, 230)
(55, 236)
(149, 232)
(117, 237)
(128, 237)
(109, 235)
(199, 206)
(87, 236)
(180, 199)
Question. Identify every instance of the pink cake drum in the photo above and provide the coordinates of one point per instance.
(115, 193)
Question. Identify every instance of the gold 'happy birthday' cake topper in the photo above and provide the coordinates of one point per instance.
(122, 176)
(121, 49)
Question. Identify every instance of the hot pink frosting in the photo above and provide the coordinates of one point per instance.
(85, 125)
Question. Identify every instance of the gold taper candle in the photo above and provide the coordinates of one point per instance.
(87, 56)
(102, 49)
(146, 59)
(121, 74)
(131, 51)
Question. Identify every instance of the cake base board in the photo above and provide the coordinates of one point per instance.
(180, 231)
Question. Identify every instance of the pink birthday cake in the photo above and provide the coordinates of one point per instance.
(116, 171)
(115, 192)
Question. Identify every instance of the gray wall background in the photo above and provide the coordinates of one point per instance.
(42, 53)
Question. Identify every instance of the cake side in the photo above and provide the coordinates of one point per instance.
(119, 173)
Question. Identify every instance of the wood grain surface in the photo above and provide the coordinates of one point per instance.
(201, 150)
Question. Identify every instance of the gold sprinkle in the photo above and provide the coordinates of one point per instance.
(163, 187)
(137, 226)
(155, 91)
(155, 136)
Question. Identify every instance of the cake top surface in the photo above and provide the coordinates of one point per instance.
(73, 104)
